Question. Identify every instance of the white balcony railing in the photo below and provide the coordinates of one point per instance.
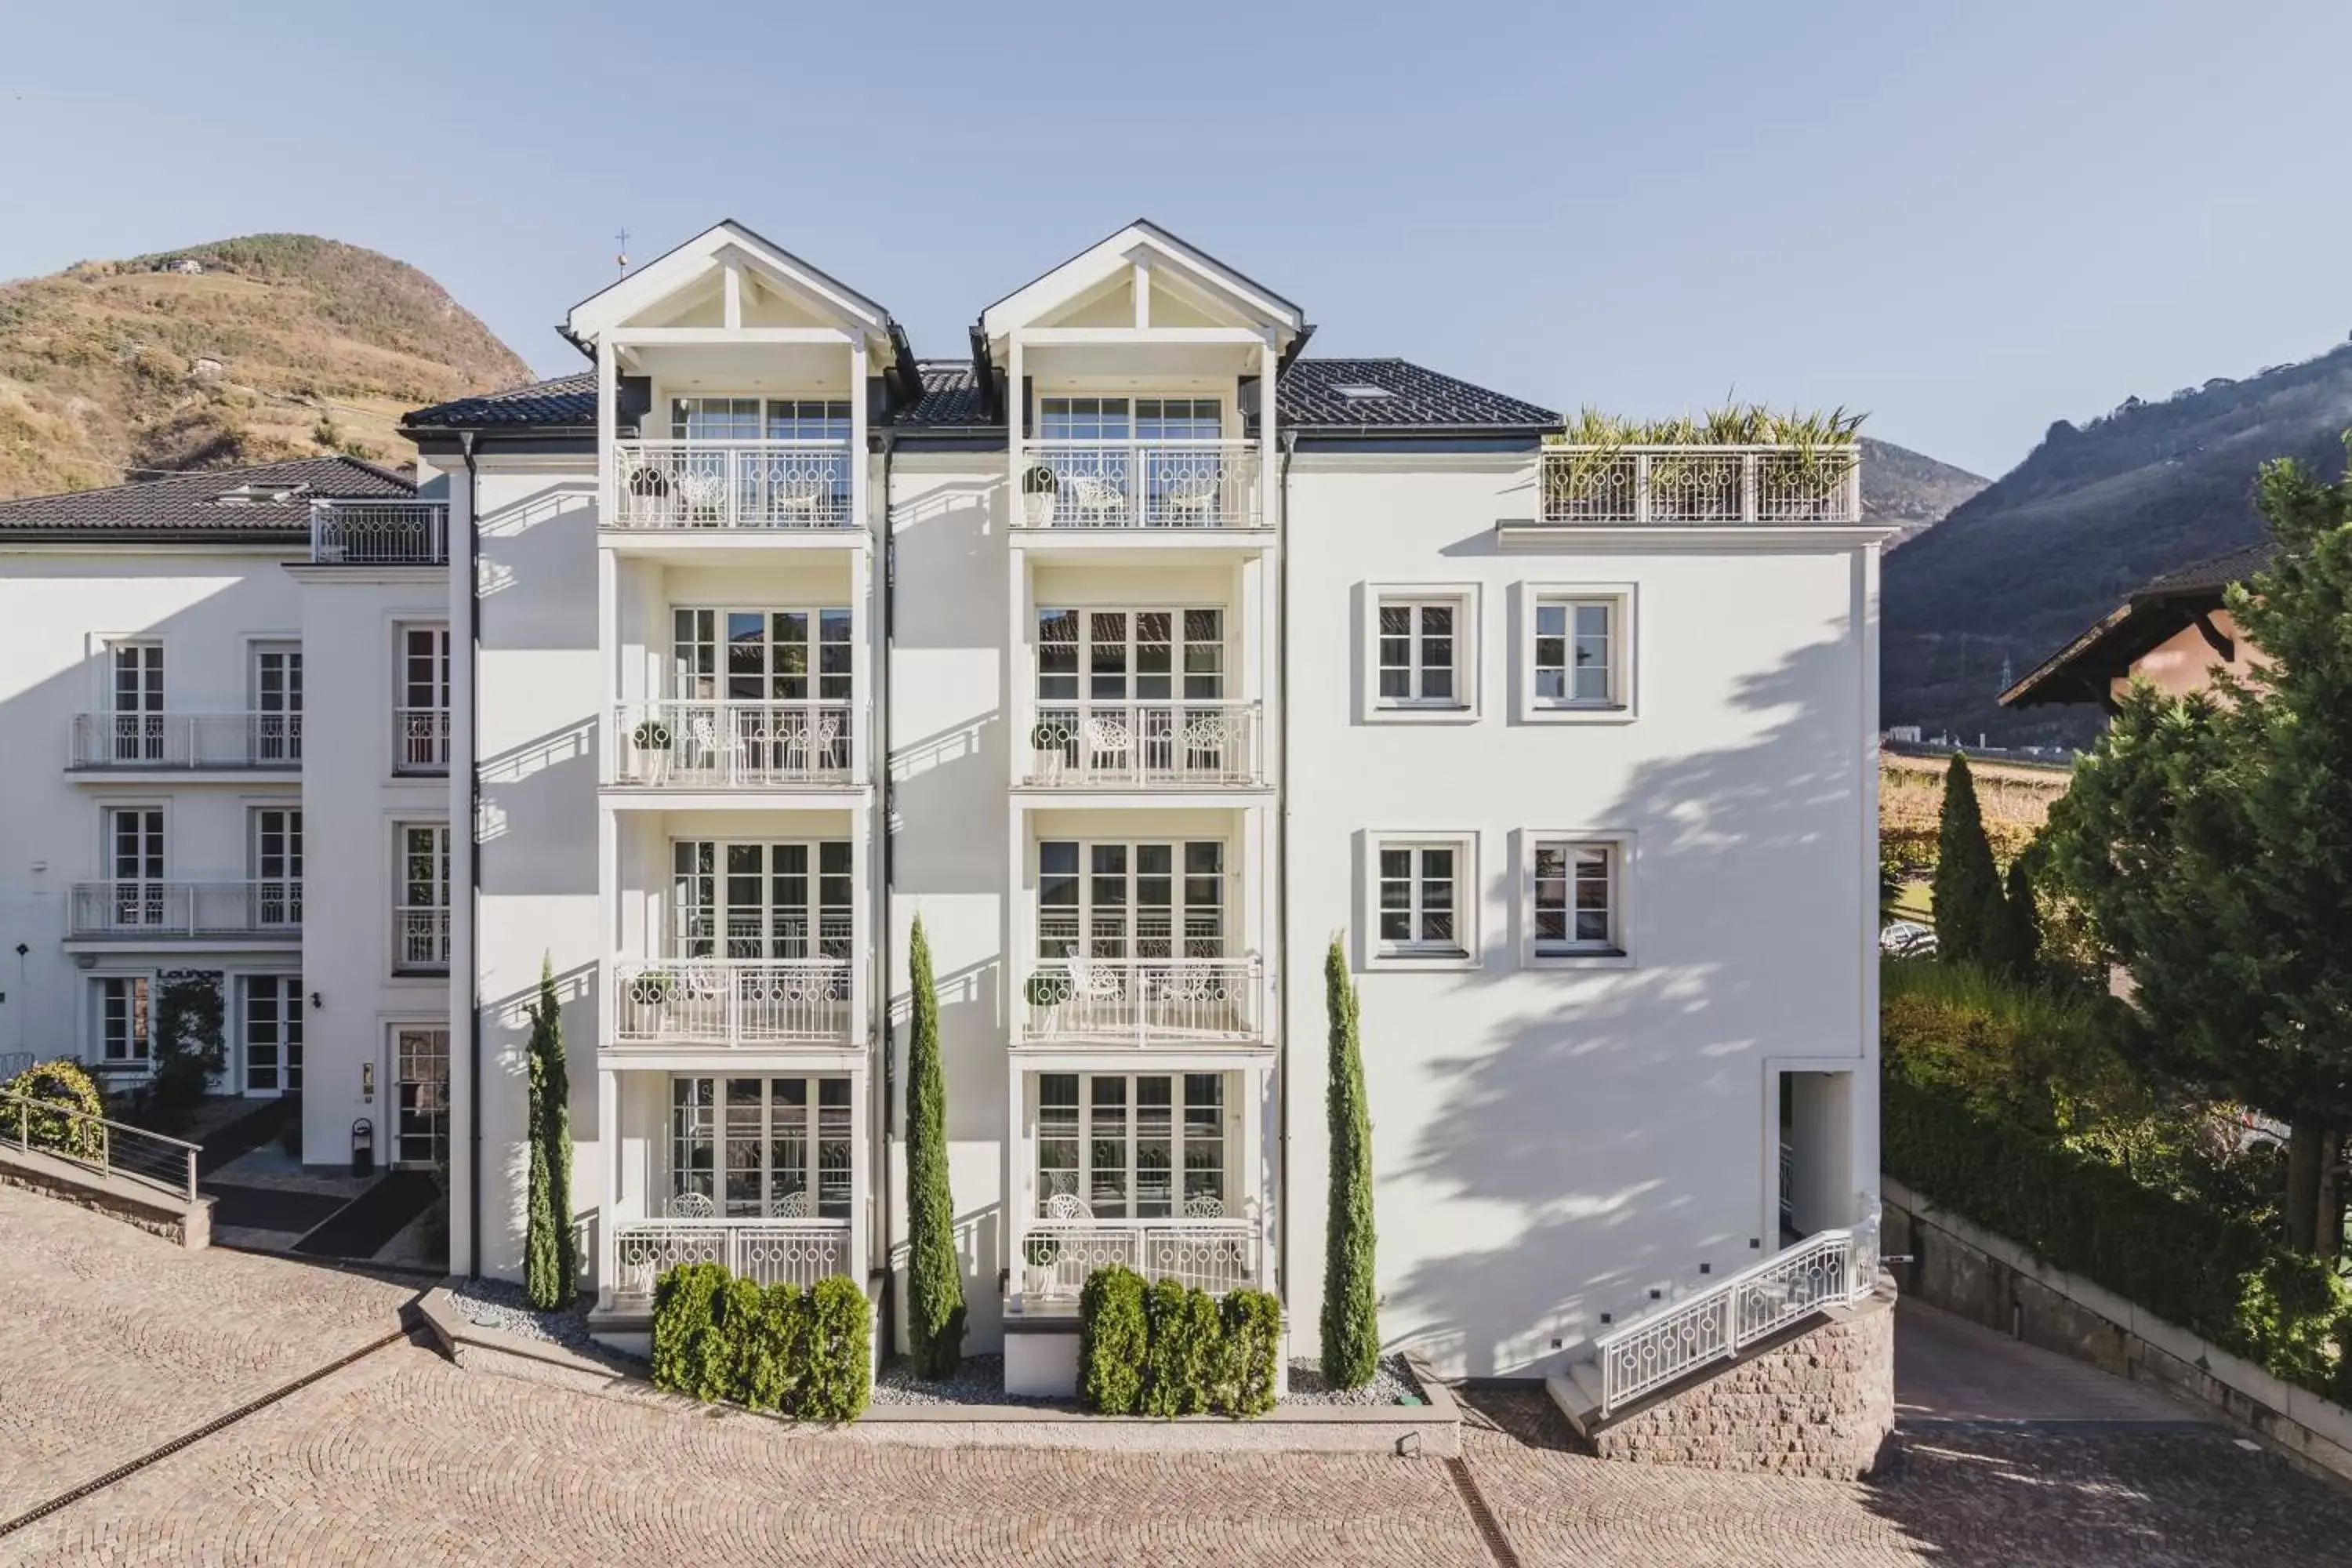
(732, 484)
(420, 938)
(420, 739)
(1144, 745)
(771, 1251)
(678, 742)
(163, 910)
(130, 742)
(1784, 485)
(1830, 1268)
(379, 534)
(1148, 1002)
(1214, 1255)
(1138, 484)
(731, 1002)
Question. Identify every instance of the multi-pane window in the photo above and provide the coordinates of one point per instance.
(124, 1018)
(759, 419)
(420, 1080)
(1419, 897)
(762, 1147)
(1116, 902)
(275, 855)
(421, 918)
(1418, 651)
(421, 714)
(136, 693)
(772, 900)
(1576, 898)
(1121, 656)
(134, 859)
(277, 702)
(1133, 1145)
(761, 655)
(1124, 419)
(1574, 652)
(272, 1033)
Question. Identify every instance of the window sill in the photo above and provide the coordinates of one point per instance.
(1583, 958)
(1421, 713)
(1575, 713)
(1421, 958)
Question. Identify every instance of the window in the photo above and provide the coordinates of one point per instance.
(1577, 658)
(420, 1080)
(1122, 902)
(1120, 655)
(124, 1018)
(277, 702)
(772, 655)
(1134, 1145)
(1574, 893)
(421, 718)
(421, 917)
(272, 1028)
(275, 855)
(788, 901)
(759, 419)
(134, 860)
(1148, 419)
(1421, 652)
(1420, 894)
(1360, 392)
(136, 700)
(772, 1147)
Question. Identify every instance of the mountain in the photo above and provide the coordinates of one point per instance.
(1910, 490)
(243, 350)
(2012, 576)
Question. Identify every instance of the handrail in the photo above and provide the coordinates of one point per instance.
(91, 1143)
(1698, 484)
(1830, 1268)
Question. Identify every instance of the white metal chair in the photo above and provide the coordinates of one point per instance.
(1100, 499)
(1107, 744)
(1068, 1206)
(1187, 499)
(692, 1205)
(792, 1206)
(1204, 1205)
(810, 748)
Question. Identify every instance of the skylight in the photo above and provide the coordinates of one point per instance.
(247, 494)
(1361, 389)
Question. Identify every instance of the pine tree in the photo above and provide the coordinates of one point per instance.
(2023, 957)
(550, 1263)
(935, 1307)
(1352, 1328)
(1969, 910)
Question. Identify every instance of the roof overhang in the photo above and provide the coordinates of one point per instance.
(2086, 668)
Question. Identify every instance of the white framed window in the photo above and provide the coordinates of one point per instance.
(1420, 652)
(125, 1018)
(1421, 900)
(1117, 903)
(135, 700)
(759, 419)
(421, 915)
(761, 654)
(134, 847)
(421, 705)
(1575, 655)
(1136, 1145)
(1118, 655)
(277, 701)
(775, 901)
(274, 860)
(762, 1147)
(1573, 898)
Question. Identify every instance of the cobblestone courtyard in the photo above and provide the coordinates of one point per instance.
(117, 1343)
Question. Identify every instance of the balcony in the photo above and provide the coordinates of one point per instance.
(695, 743)
(420, 934)
(420, 740)
(1215, 1255)
(1143, 1002)
(1139, 485)
(379, 534)
(163, 743)
(771, 1251)
(1145, 745)
(744, 1003)
(139, 911)
(759, 485)
(1630, 485)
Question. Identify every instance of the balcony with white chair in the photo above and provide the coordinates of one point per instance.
(1088, 745)
(676, 743)
(735, 1004)
(755, 486)
(1142, 1004)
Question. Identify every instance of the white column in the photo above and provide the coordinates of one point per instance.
(1268, 441)
(1017, 1198)
(862, 930)
(608, 1204)
(464, 973)
(1258, 1192)
(607, 382)
(863, 616)
(860, 501)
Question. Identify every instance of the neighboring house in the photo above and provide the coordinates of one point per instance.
(2175, 632)
(1141, 655)
(228, 700)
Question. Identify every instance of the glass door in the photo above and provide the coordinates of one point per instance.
(138, 696)
(277, 735)
(277, 859)
(272, 1034)
(135, 841)
(420, 1095)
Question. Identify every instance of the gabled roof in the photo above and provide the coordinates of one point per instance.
(1104, 258)
(677, 269)
(2084, 668)
(266, 504)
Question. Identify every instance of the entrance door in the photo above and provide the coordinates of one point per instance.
(272, 1034)
(276, 736)
(276, 861)
(420, 1074)
(135, 841)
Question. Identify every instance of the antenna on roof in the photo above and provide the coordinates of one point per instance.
(621, 259)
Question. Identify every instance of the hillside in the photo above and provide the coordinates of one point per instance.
(284, 345)
(2091, 514)
(1909, 488)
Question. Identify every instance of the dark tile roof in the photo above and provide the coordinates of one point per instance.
(951, 394)
(2080, 671)
(193, 503)
(2211, 576)
(566, 401)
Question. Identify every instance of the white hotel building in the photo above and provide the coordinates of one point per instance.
(1140, 655)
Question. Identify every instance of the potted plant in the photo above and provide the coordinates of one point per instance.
(1049, 747)
(1047, 988)
(1039, 486)
(1038, 1256)
(652, 739)
(649, 997)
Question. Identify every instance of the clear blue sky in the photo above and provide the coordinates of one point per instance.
(1970, 219)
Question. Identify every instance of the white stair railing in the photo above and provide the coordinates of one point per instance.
(1829, 1268)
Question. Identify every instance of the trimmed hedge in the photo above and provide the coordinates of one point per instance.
(805, 1353)
(1171, 1351)
(62, 1082)
(2216, 1275)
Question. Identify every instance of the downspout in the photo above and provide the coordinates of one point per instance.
(1282, 848)
(473, 867)
(882, 905)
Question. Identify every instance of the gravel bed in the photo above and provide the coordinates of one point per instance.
(495, 1304)
(1391, 1385)
(978, 1381)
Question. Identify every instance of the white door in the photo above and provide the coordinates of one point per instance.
(420, 1079)
(270, 1032)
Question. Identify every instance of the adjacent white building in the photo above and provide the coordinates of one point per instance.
(1140, 656)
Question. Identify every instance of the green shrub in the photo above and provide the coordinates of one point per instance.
(2215, 1275)
(1182, 1355)
(1113, 1334)
(61, 1083)
(683, 1299)
(838, 1350)
(1251, 1346)
(805, 1353)
(766, 1352)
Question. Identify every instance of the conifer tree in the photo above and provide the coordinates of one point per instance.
(935, 1306)
(550, 1258)
(1970, 913)
(1352, 1328)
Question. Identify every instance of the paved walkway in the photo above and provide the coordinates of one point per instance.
(401, 1458)
(1949, 1369)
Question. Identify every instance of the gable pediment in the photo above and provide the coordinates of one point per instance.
(1179, 287)
(690, 286)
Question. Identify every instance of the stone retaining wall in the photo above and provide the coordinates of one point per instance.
(1820, 1403)
(188, 1226)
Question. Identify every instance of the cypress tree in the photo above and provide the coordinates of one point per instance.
(550, 1262)
(935, 1309)
(1352, 1328)
(2023, 956)
(1969, 909)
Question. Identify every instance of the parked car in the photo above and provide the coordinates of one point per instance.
(1906, 939)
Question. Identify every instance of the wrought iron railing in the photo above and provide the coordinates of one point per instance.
(1829, 1268)
(1214, 1255)
(771, 1251)
(1785, 485)
(682, 743)
(1147, 1001)
(379, 534)
(130, 742)
(1137, 484)
(420, 938)
(420, 739)
(731, 1001)
(102, 1147)
(732, 484)
(137, 909)
(1143, 745)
